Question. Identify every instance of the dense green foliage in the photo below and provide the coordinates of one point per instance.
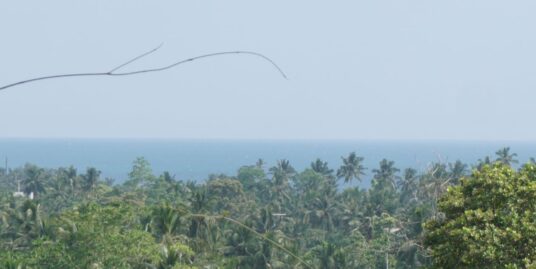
(489, 220)
(271, 217)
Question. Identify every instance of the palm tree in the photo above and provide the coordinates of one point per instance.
(167, 177)
(57, 198)
(91, 178)
(457, 170)
(324, 209)
(434, 183)
(408, 184)
(351, 168)
(504, 156)
(322, 168)
(70, 175)
(199, 201)
(248, 251)
(259, 163)
(439, 171)
(328, 255)
(350, 209)
(166, 222)
(33, 182)
(281, 173)
(265, 220)
(482, 162)
(199, 204)
(386, 173)
(383, 193)
(24, 225)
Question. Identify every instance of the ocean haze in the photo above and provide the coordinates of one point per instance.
(196, 159)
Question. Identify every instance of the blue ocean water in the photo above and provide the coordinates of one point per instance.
(196, 159)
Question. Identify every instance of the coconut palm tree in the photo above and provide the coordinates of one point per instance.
(323, 169)
(504, 156)
(57, 198)
(34, 180)
(260, 163)
(457, 170)
(351, 168)
(281, 174)
(383, 192)
(69, 177)
(166, 222)
(386, 173)
(482, 162)
(327, 255)
(351, 210)
(408, 184)
(90, 179)
(200, 203)
(324, 210)
(24, 225)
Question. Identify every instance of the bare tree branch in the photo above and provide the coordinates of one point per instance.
(201, 57)
(114, 73)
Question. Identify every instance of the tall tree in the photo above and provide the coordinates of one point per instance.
(408, 185)
(22, 224)
(250, 176)
(69, 177)
(387, 173)
(483, 162)
(504, 156)
(34, 180)
(324, 209)
(323, 169)
(141, 173)
(281, 174)
(166, 221)
(90, 179)
(457, 170)
(487, 221)
(351, 168)
(383, 196)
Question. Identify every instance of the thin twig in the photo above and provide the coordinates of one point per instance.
(136, 58)
(112, 72)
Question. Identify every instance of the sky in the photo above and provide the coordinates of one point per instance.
(396, 70)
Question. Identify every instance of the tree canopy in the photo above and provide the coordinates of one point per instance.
(273, 217)
(489, 220)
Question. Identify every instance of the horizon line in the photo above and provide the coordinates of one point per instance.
(291, 139)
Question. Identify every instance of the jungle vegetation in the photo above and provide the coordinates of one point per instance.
(450, 215)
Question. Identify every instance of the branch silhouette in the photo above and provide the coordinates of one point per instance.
(113, 72)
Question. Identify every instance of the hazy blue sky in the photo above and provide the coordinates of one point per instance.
(357, 69)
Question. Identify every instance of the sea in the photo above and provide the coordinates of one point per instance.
(197, 159)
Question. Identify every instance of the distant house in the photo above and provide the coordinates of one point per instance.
(18, 193)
